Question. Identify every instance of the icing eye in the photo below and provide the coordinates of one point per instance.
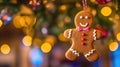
(81, 17)
(86, 17)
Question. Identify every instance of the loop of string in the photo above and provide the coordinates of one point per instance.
(84, 4)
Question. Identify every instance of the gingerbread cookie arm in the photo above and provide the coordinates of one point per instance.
(68, 33)
(98, 34)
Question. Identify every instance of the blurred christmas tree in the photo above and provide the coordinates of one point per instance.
(54, 16)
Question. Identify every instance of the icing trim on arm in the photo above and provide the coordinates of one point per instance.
(70, 33)
(94, 34)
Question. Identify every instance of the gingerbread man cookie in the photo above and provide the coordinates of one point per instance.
(82, 37)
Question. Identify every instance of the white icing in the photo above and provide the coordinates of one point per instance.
(70, 33)
(83, 25)
(81, 17)
(94, 34)
(74, 51)
(86, 17)
(89, 53)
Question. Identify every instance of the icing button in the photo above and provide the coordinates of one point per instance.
(82, 39)
(82, 43)
(83, 34)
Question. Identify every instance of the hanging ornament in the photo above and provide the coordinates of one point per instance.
(83, 36)
(103, 1)
(50, 7)
(33, 4)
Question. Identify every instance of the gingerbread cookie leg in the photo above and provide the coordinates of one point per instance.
(91, 55)
(72, 54)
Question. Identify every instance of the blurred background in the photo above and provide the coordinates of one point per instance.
(31, 32)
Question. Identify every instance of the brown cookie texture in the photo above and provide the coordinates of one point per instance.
(82, 37)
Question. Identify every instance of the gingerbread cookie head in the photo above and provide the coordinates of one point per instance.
(83, 19)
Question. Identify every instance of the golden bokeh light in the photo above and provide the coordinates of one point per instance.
(93, 1)
(118, 36)
(111, 19)
(61, 24)
(50, 39)
(46, 47)
(37, 41)
(94, 12)
(106, 11)
(113, 46)
(117, 16)
(5, 49)
(22, 22)
(78, 5)
(27, 40)
(1, 23)
(62, 38)
(16, 21)
(63, 7)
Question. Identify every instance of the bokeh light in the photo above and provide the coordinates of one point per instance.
(44, 30)
(27, 40)
(63, 7)
(37, 41)
(118, 36)
(50, 39)
(113, 46)
(93, 1)
(1, 23)
(117, 16)
(106, 11)
(46, 47)
(6, 19)
(5, 49)
(78, 5)
(62, 38)
(36, 56)
(16, 21)
(94, 12)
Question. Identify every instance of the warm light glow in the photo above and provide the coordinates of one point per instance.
(22, 21)
(27, 40)
(30, 2)
(77, 5)
(45, 1)
(111, 19)
(118, 36)
(1, 23)
(37, 41)
(46, 47)
(113, 46)
(63, 7)
(61, 24)
(94, 12)
(51, 40)
(106, 11)
(5, 49)
(62, 38)
(16, 21)
(117, 16)
(67, 19)
(93, 1)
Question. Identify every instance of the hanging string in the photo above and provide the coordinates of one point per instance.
(84, 4)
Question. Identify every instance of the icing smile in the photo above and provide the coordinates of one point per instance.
(83, 25)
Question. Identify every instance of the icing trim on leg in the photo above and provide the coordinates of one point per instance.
(74, 51)
(90, 53)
